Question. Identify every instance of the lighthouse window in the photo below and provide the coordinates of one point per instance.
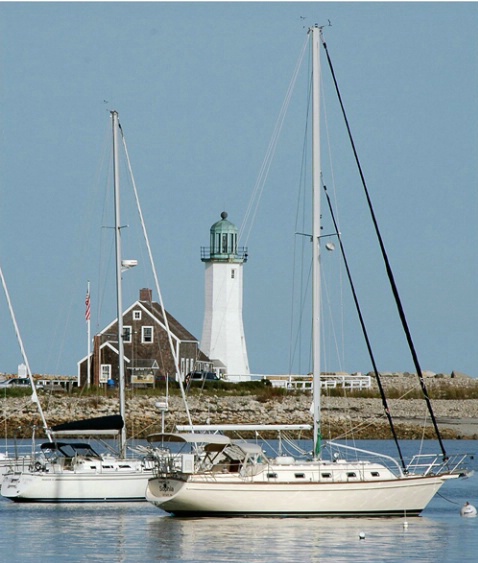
(224, 243)
(233, 274)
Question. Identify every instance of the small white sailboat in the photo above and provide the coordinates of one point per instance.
(202, 473)
(75, 472)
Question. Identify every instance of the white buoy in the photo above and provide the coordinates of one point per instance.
(468, 510)
(361, 536)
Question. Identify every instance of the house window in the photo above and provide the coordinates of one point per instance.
(105, 373)
(127, 335)
(136, 315)
(233, 274)
(147, 334)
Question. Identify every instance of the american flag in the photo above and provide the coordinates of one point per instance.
(87, 310)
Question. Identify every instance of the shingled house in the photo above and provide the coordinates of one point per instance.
(147, 349)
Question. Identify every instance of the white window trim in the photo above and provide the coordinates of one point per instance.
(105, 373)
(137, 315)
(143, 330)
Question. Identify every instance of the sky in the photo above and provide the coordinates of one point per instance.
(199, 88)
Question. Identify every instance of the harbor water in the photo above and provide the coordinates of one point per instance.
(141, 532)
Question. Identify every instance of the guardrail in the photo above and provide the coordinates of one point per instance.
(327, 381)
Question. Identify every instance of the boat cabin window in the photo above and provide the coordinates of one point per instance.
(375, 474)
(351, 475)
(300, 475)
(326, 475)
(272, 475)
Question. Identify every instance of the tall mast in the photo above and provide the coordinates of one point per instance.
(119, 290)
(88, 335)
(316, 173)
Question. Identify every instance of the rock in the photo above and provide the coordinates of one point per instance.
(340, 415)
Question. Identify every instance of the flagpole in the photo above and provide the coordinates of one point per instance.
(88, 331)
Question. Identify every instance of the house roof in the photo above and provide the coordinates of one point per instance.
(109, 345)
(153, 309)
(175, 326)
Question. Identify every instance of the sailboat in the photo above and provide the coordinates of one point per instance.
(72, 471)
(203, 472)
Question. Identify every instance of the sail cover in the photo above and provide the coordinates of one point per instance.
(110, 424)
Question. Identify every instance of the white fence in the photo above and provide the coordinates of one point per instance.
(327, 381)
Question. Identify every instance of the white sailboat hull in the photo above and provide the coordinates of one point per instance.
(129, 486)
(228, 496)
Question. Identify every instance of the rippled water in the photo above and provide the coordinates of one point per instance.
(140, 532)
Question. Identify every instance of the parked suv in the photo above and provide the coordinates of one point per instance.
(15, 382)
(203, 376)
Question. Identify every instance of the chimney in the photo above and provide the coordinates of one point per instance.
(146, 294)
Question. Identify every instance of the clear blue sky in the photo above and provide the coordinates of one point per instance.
(198, 87)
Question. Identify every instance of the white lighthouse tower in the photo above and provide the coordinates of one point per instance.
(223, 337)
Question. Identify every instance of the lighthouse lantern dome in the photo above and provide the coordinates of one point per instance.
(223, 238)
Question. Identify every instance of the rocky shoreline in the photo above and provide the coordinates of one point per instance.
(361, 418)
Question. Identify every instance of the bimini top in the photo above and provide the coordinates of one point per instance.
(213, 442)
(190, 438)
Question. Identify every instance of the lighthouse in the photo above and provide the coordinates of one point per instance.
(223, 339)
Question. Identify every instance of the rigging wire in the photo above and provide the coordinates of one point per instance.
(249, 219)
(364, 331)
(150, 254)
(388, 268)
(295, 342)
